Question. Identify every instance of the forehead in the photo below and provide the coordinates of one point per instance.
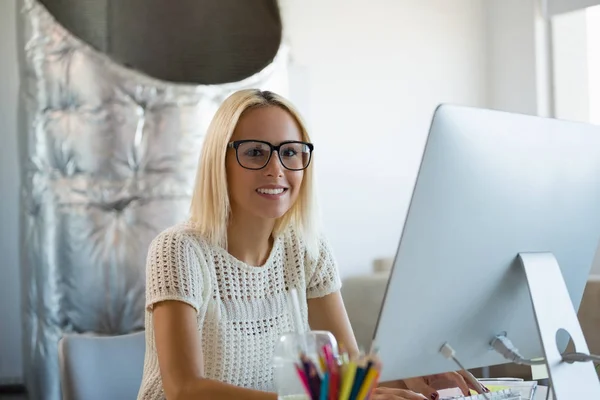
(272, 124)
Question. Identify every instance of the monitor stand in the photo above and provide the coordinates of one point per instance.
(554, 310)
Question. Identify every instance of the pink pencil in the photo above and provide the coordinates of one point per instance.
(303, 379)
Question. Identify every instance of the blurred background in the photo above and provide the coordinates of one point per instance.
(367, 76)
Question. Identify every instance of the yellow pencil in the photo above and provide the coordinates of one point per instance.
(322, 364)
(347, 380)
(367, 384)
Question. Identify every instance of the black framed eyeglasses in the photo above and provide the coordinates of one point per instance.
(256, 154)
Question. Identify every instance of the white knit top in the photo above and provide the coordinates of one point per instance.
(242, 309)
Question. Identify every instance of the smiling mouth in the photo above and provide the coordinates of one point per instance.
(272, 191)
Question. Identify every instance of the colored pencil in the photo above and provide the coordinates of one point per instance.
(335, 376)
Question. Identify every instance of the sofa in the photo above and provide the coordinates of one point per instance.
(363, 296)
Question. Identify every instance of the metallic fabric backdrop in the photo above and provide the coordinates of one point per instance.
(108, 159)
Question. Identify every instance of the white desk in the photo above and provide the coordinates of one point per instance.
(540, 393)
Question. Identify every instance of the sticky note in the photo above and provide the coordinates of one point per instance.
(496, 388)
(539, 372)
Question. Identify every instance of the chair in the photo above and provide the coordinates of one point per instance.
(101, 367)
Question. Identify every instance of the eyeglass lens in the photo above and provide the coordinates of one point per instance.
(255, 155)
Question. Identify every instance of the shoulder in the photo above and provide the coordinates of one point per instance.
(179, 241)
(175, 270)
(183, 232)
(309, 248)
(319, 266)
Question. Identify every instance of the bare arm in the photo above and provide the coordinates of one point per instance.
(328, 313)
(180, 358)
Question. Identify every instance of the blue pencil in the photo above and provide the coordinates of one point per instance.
(325, 387)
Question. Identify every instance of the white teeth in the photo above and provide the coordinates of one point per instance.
(270, 191)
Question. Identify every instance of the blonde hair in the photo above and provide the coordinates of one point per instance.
(210, 208)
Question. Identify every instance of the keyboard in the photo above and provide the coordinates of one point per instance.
(505, 394)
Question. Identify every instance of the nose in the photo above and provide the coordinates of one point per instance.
(274, 167)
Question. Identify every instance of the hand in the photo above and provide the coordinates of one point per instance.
(384, 393)
(429, 385)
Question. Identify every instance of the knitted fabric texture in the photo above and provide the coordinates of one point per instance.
(241, 309)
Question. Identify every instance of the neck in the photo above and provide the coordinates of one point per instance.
(249, 239)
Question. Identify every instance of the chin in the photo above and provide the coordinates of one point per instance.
(272, 214)
(271, 211)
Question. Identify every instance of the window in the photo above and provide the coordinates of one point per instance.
(593, 62)
(575, 38)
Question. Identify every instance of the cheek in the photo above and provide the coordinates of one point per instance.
(296, 181)
(237, 181)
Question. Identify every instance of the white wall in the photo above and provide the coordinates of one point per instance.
(571, 78)
(593, 56)
(10, 300)
(376, 70)
(511, 63)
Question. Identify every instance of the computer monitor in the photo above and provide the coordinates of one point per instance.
(491, 185)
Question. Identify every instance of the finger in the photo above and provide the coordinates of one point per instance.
(448, 380)
(461, 381)
(472, 382)
(396, 394)
(420, 386)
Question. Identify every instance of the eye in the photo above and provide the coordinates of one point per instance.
(256, 152)
(289, 152)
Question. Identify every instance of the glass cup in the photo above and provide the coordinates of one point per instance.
(287, 353)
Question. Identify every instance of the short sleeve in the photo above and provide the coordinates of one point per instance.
(324, 276)
(172, 270)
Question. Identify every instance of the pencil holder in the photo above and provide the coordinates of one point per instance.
(290, 382)
(309, 366)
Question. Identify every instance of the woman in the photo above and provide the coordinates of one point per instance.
(217, 285)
